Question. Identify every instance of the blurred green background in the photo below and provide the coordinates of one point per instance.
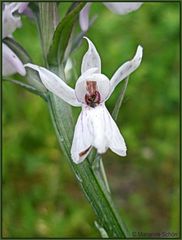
(41, 197)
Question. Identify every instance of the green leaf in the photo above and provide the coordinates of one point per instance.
(27, 87)
(17, 49)
(75, 40)
(71, 8)
(62, 35)
(78, 38)
(33, 79)
(48, 21)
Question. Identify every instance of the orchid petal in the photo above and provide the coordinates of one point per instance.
(11, 63)
(56, 85)
(29, 13)
(106, 132)
(90, 131)
(122, 7)
(21, 6)
(90, 71)
(83, 138)
(96, 128)
(84, 17)
(116, 140)
(91, 59)
(126, 69)
(99, 121)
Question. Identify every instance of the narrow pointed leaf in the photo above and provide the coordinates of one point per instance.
(34, 80)
(62, 35)
(76, 41)
(71, 8)
(48, 20)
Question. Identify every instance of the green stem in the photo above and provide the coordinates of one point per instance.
(96, 194)
(98, 168)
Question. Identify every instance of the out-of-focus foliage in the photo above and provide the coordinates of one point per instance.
(40, 195)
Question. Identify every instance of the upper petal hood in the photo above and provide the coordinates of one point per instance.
(102, 84)
(91, 59)
(126, 69)
(11, 63)
(122, 7)
(56, 85)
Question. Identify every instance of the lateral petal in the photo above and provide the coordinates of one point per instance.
(11, 63)
(56, 85)
(84, 17)
(82, 139)
(116, 140)
(91, 59)
(107, 134)
(126, 69)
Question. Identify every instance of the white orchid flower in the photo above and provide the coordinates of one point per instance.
(95, 126)
(120, 8)
(10, 22)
